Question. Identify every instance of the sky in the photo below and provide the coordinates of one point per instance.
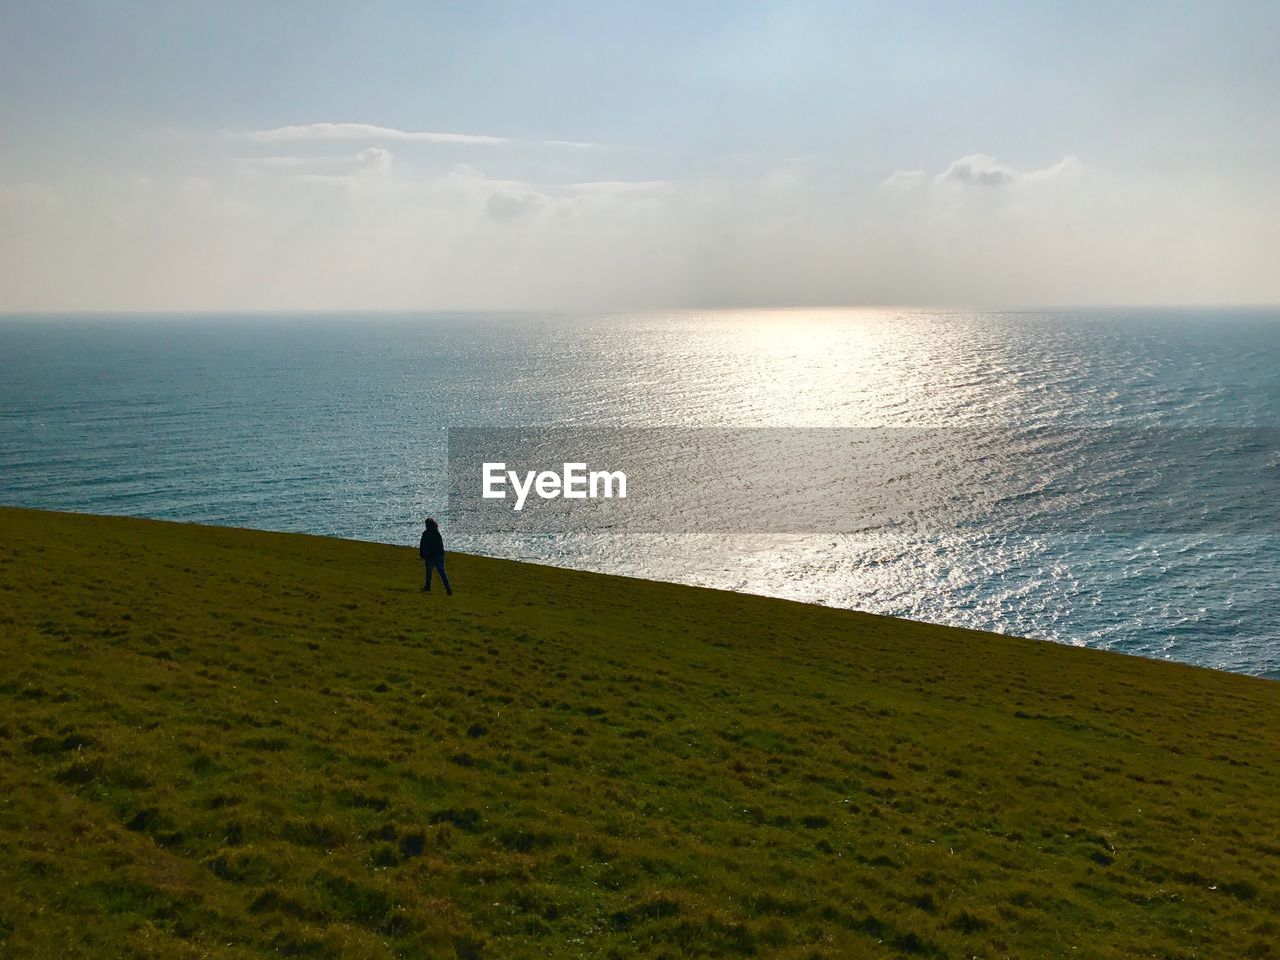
(609, 156)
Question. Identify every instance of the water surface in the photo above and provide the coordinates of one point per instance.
(337, 425)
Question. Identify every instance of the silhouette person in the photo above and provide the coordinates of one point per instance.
(431, 550)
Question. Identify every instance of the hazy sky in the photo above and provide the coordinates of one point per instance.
(311, 155)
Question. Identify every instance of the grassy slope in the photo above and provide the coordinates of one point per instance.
(227, 743)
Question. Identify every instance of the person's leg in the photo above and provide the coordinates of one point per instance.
(444, 577)
(427, 563)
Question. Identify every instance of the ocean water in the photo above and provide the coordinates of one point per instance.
(338, 424)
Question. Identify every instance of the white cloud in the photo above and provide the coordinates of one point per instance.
(977, 169)
(508, 204)
(369, 163)
(1068, 165)
(368, 131)
(904, 179)
(374, 162)
(365, 230)
(361, 131)
(981, 170)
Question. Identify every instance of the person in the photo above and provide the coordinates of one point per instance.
(431, 550)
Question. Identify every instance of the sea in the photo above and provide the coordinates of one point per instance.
(339, 424)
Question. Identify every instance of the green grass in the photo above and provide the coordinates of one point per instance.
(225, 743)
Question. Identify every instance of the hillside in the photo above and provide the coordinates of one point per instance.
(224, 743)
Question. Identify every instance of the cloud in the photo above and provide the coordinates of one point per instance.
(508, 205)
(1066, 166)
(904, 179)
(373, 162)
(980, 170)
(977, 169)
(500, 199)
(335, 225)
(310, 132)
(362, 131)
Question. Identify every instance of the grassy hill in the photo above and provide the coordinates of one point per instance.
(224, 743)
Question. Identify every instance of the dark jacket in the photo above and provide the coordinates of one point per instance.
(431, 547)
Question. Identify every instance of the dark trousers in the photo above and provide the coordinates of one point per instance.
(437, 563)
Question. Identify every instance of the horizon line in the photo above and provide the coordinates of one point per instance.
(63, 312)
